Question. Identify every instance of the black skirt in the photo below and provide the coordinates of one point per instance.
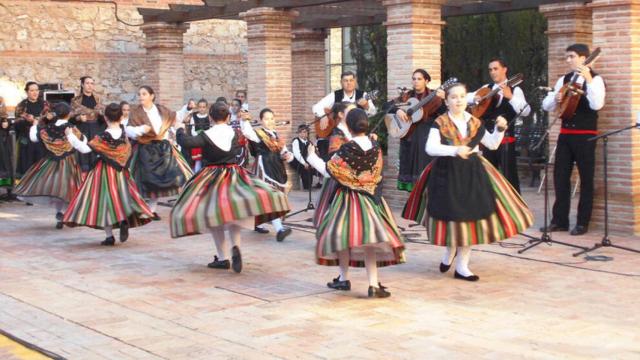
(413, 157)
(460, 190)
(159, 169)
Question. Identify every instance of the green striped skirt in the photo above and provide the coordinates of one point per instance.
(107, 197)
(355, 220)
(51, 178)
(222, 194)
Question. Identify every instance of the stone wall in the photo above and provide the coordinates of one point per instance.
(76, 39)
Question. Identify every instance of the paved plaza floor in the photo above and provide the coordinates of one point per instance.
(154, 298)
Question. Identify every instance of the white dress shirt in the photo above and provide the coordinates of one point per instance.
(328, 101)
(435, 147)
(517, 102)
(595, 93)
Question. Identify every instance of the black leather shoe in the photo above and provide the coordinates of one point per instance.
(218, 264)
(444, 268)
(467, 278)
(336, 284)
(283, 234)
(378, 292)
(260, 230)
(156, 217)
(553, 227)
(579, 230)
(236, 259)
(110, 241)
(124, 231)
(59, 217)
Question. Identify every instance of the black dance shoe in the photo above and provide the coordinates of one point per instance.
(260, 230)
(156, 217)
(467, 278)
(110, 241)
(59, 217)
(378, 292)
(236, 259)
(554, 227)
(444, 268)
(336, 284)
(219, 264)
(124, 231)
(283, 234)
(579, 230)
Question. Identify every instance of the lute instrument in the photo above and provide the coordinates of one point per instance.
(571, 91)
(480, 107)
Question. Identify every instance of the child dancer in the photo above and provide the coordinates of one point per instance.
(222, 196)
(358, 228)
(108, 197)
(270, 156)
(467, 201)
(55, 178)
(199, 122)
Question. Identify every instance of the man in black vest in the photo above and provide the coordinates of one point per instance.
(508, 103)
(573, 144)
(348, 93)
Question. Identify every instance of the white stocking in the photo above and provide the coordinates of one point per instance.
(277, 224)
(343, 261)
(449, 254)
(462, 264)
(221, 244)
(153, 204)
(108, 230)
(371, 265)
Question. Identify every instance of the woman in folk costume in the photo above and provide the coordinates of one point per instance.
(358, 229)
(108, 197)
(157, 167)
(222, 195)
(88, 113)
(27, 113)
(54, 179)
(460, 197)
(271, 153)
(339, 136)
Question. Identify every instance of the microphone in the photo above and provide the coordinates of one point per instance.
(545, 88)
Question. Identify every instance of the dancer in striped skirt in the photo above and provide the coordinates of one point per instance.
(108, 197)
(460, 197)
(157, 167)
(222, 195)
(358, 228)
(54, 179)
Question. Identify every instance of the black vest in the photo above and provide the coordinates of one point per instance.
(213, 155)
(505, 109)
(585, 117)
(339, 95)
(201, 123)
(302, 146)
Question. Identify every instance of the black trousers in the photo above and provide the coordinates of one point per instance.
(505, 162)
(323, 148)
(570, 149)
(306, 175)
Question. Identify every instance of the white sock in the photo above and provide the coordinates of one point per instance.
(343, 261)
(221, 243)
(234, 231)
(153, 204)
(462, 264)
(449, 254)
(277, 224)
(109, 230)
(371, 265)
(197, 166)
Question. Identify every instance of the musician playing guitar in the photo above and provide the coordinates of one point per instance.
(573, 144)
(508, 102)
(348, 93)
(413, 157)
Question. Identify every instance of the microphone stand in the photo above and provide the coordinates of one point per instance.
(546, 235)
(606, 242)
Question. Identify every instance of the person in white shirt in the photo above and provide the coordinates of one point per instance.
(299, 148)
(348, 93)
(461, 197)
(573, 141)
(509, 103)
(271, 153)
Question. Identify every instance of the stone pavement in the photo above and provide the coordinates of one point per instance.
(154, 298)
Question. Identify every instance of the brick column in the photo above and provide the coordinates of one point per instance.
(414, 30)
(567, 23)
(269, 61)
(616, 29)
(308, 74)
(165, 61)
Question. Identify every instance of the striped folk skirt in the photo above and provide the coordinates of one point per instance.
(354, 220)
(107, 198)
(51, 179)
(329, 187)
(223, 194)
(135, 168)
(512, 214)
